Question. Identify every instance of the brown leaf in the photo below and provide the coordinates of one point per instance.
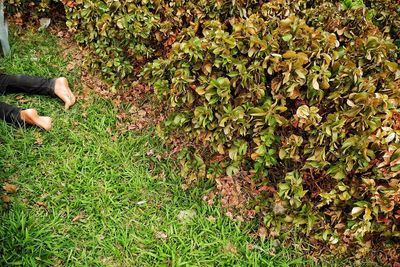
(70, 66)
(10, 188)
(170, 40)
(121, 116)
(41, 204)
(161, 235)
(262, 232)
(79, 217)
(211, 218)
(142, 113)
(39, 141)
(21, 99)
(60, 34)
(217, 158)
(275, 84)
(230, 248)
(267, 188)
(207, 68)
(6, 199)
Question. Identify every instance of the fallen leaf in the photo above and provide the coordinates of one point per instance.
(60, 34)
(79, 217)
(21, 99)
(70, 66)
(161, 235)
(6, 199)
(262, 232)
(142, 113)
(133, 109)
(10, 188)
(121, 116)
(279, 208)
(230, 248)
(141, 202)
(150, 152)
(39, 141)
(162, 176)
(211, 218)
(186, 215)
(41, 204)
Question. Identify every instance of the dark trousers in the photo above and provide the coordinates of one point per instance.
(10, 84)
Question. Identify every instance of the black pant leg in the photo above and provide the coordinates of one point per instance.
(26, 84)
(10, 114)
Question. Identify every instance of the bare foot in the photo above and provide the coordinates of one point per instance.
(62, 90)
(30, 116)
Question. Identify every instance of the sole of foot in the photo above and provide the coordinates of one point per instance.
(31, 117)
(62, 90)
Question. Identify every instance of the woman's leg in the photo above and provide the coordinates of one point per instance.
(10, 114)
(36, 85)
(21, 117)
(26, 84)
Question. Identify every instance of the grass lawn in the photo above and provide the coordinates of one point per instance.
(84, 199)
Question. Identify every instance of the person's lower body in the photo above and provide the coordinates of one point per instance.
(33, 85)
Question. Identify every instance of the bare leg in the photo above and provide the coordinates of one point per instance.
(30, 116)
(62, 90)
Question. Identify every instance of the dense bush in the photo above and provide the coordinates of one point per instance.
(306, 103)
(124, 35)
(30, 10)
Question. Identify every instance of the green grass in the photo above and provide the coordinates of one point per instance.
(114, 185)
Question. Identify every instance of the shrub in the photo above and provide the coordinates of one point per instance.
(124, 35)
(28, 10)
(303, 102)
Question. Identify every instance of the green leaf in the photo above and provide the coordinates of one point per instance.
(287, 37)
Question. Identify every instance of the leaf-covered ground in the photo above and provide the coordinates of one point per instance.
(87, 198)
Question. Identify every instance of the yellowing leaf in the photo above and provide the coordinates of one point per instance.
(160, 235)
(207, 68)
(356, 211)
(303, 111)
(252, 51)
(10, 188)
(289, 54)
(300, 74)
(6, 199)
(254, 156)
(315, 83)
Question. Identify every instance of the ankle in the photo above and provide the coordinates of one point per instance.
(31, 117)
(60, 83)
(28, 115)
